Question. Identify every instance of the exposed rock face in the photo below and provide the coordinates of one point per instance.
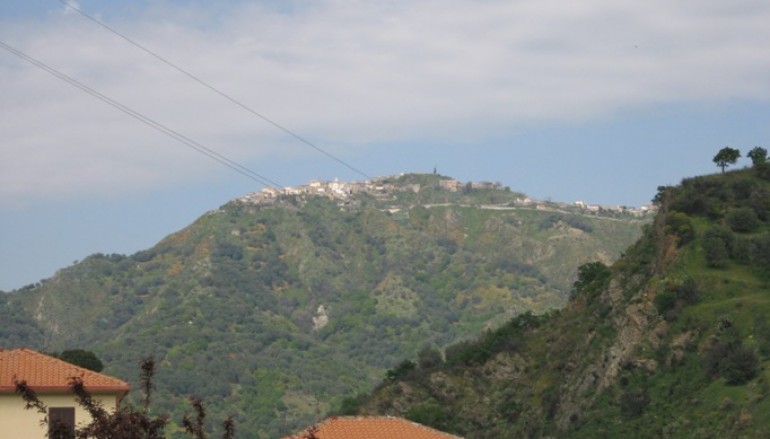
(631, 318)
(321, 318)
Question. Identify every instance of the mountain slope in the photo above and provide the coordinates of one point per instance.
(672, 340)
(272, 311)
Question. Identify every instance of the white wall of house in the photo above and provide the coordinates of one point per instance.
(16, 422)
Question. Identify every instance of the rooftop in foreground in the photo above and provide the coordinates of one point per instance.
(44, 373)
(373, 427)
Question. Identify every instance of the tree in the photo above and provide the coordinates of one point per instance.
(665, 301)
(716, 251)
(726, 156)
(679, 224)
(592, 278)
(743, 219)
(85, 359)
(758, 156)
(400, 371)
(731, 360)
(195, 427)
(429, 358)
(759, 253)
(717, 243)
(633, 402)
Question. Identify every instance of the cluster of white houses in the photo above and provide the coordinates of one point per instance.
(636, 211)
(382, 187)
(337, 189)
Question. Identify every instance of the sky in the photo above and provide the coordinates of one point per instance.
(599, 100)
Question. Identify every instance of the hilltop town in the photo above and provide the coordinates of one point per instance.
(388, 188)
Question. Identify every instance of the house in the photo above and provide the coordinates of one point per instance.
(450, 185)
(372, 427)
(271, 192)
(484, 185)
(49, 377)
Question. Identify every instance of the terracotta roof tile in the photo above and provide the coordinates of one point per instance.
(48, 374)
(374, 427)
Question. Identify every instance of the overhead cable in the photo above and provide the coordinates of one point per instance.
(144, 119)
(214, 89)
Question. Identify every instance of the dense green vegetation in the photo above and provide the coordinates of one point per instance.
(80, 357)
(275, 312)
(672, 340)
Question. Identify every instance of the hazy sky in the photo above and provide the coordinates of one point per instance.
(596, 100)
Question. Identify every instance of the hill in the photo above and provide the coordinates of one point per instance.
(276, 305)
(672, 340)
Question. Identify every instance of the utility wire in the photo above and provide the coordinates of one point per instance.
(144, 119)
(215, 90)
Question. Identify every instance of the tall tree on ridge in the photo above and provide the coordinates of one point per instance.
(726, 156)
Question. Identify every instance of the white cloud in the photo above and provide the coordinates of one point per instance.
(347, 73)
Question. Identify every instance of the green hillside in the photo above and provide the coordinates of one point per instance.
(274, 311)
(672, 340)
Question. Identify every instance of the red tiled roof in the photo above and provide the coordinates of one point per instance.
(374, 427)
(48, 374)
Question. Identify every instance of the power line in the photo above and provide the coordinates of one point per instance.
(215, 90)
(144, 119)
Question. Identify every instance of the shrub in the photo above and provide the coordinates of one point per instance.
(715, 251)
(723, 233)
(726, 357)
(701, 196)
(593, 277)
(680, 225)
(759, 254)
(578, 223)
(633, 402)
(82, 358)
(763, 171)
(429, 358)
(402, 370)
(429, 413)
(688, 291)
(742, 249)
(740, 366)
(665, 301)
(743, 219)
(351, 405)
(718, 245)
(467, 353)
(677, 294)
